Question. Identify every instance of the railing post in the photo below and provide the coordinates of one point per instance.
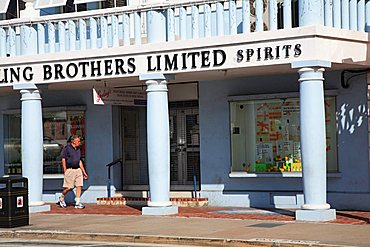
(170, 25)
(337, 13)
(273, 15)
(2, 42)
(232, 18)
(109, 183)
(220, 18)
(310, 12)
(62, 36)
(156, 26)
(51, 37)
(367, 16)
(353, 15)
(207, 21)
(246, 16)
(287, 6)
(361, 16)
(345, 14)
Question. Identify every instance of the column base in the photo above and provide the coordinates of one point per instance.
(39, 208)
(315, 215)
(160, 210)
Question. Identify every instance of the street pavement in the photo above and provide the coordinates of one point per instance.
(204, 226)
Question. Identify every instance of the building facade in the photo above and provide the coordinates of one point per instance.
(246, 103)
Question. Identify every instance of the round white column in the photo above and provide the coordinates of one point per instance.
(158, 143)
(313, 146)
(32, 144)
(313, 138)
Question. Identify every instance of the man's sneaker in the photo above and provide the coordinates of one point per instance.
(62, 203)
(79, 205)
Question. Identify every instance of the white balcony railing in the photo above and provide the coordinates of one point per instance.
(127, 26)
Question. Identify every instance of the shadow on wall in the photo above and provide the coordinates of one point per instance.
(349, 118)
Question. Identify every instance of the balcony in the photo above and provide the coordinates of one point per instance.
(200, 40)
(127, 26)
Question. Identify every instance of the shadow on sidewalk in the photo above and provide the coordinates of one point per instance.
(353, 216)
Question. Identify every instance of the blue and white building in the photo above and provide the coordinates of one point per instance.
(259, 103)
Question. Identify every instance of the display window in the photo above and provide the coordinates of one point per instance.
(265, 135)
(58, 127)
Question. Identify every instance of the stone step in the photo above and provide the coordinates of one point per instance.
(140, 201)
(145, 193)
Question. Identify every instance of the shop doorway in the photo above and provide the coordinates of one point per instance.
(184, 147)
(134, 148)
(184, 143)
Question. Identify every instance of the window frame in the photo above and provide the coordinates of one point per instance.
(67, 109)
(239, 98)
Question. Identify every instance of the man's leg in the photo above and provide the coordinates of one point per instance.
(65, 191)
(61, 201)
(78, 197)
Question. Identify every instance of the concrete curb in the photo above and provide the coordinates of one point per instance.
(133, 238)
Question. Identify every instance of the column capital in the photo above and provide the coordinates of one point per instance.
(30, 94)
(310, 64)
(29, 91)
(311, 74)
(156, 76)
(24, 86)
(156, 86)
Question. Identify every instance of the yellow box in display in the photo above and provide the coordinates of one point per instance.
(296, 167)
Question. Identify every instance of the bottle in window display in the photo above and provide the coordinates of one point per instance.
(286, 130)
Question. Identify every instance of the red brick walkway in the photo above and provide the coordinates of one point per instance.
(343, 217)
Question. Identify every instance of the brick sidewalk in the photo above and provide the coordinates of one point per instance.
(343, 217)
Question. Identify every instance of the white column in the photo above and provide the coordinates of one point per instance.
(158, 140)
(32, 144)
(313, 142)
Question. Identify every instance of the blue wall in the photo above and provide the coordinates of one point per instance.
(99, 139)
(221, 189)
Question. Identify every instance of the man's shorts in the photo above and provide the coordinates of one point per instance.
(72, 178)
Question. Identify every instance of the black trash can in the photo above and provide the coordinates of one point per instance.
(14, 201)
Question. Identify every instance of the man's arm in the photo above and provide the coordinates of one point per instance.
(83, 170)
(64, 164)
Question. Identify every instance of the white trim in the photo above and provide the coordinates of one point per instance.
(233, 98)
(53, 176)
(265, 175)
(277, 175)
(49, 109)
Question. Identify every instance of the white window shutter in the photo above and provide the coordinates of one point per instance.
(41, 4)
(85, 1)
(4, 6)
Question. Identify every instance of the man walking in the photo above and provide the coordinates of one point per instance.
(74, 171)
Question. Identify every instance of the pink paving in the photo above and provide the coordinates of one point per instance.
(343, 217)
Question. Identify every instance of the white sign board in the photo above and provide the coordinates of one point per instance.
(128, 97)
(4, 6)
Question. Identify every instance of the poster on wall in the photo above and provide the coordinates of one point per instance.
(112, 96)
